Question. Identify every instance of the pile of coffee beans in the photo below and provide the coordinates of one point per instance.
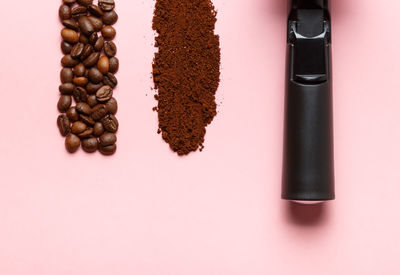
(86, 103)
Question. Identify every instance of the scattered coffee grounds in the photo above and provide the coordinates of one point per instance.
(86, 103)
(185, 71)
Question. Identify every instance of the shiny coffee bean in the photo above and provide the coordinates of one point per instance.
(83, 39)
(66, 88)
(98, 129)
(64, 12)
(83, 108)
(96, 22)
(110, 80)
(104, 94)
(92, 88)
(93, 38)
(80, 95)
(99, 111)
(78, 12)
(66, 47)
(63, 125)
(64, 103)
(112, 106)
(85, 25)
(81, 81)
(110, 18)
(69, 36)
(95, 10)
(98, 46)
(106, 5)
(95, 76)
(66, 75)
(77, 50)
(85, 2)
(91, 60)
(87, 51)
(79, 70)
(92, 100)
(108, 32)
(108, 139)
(110, 123)
(68, 61)
(69, 2)
(72, 114)
(90, 145)
(70, 24)
(87, 133)
(114, 65)
(103, 65)
(78, 127)
(110, 49)
(72, 143)
(87, 120)
(108, 150)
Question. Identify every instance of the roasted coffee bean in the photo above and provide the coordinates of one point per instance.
(83, 108)
(87, 51)
(63, 125)
(110, 123)
(69, 2)
(98, 46)
(85, 25)
(92, 59)
(69, 36)
(72, 114)
(70, 24)
(79, 70)
(98, 129)
(64, 12)
(112, 106)
(81, 81)
(108, 32)
(106, 5)
(110, 49)
(66, 47)
(99, 111)
(77, 50)
(108, 139)
(95, 76)
(93, 38)
(87, 120)
(110, 80)
(64, 103)
(95, 10)
(103, 65)
(85, 2)
(114, 65)
(78, 127)
(66, 75)
(96, 22)
(78, 12)
(92, 100)
(92, 88)
(110, 18)
(104, 94)
(66, 88)
(68, 61)
(90, 145)
(83, 39)
(72, 143)
(80, 95)
(108, 150)
(87, 133)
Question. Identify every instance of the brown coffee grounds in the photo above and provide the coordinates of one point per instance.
(185, 71)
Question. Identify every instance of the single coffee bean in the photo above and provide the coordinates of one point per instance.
(66, 75)
(81, 81)
(91, 60)
(110, 80)
(110, 18)
(96, 22)
(106, 5)
(90, 145)
(93, 38)
(110, 49)
(107, 139)
(95, 10)
(72, 143)
(79, 70)
(69, 36)
(87, 133)
(85, 25)
(64, 12)
(88, 50)
(112, 106)
(66, 47)
(78, 127)
(70, 24)
(68, 61)
(63, 125)
(72, 114)
(83, 108)
(83, 39)
(78, 12)
(64, 103)
(108, 32)
(108, 150)
(69, 2)
(104, 94)
(92, 88)
(95, 76)
(80, 95)
(99, 111)
(103, 65)
(110, 123)
(98, 129)
(87, 120)
(114, 65)
(98, 46)
(85, 2)
(92, 100)
(66, 88)
(77, 50)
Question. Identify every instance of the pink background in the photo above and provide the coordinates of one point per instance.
(146, 211)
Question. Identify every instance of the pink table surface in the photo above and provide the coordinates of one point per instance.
(146, 211)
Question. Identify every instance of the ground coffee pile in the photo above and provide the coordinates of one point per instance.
(185, 71)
